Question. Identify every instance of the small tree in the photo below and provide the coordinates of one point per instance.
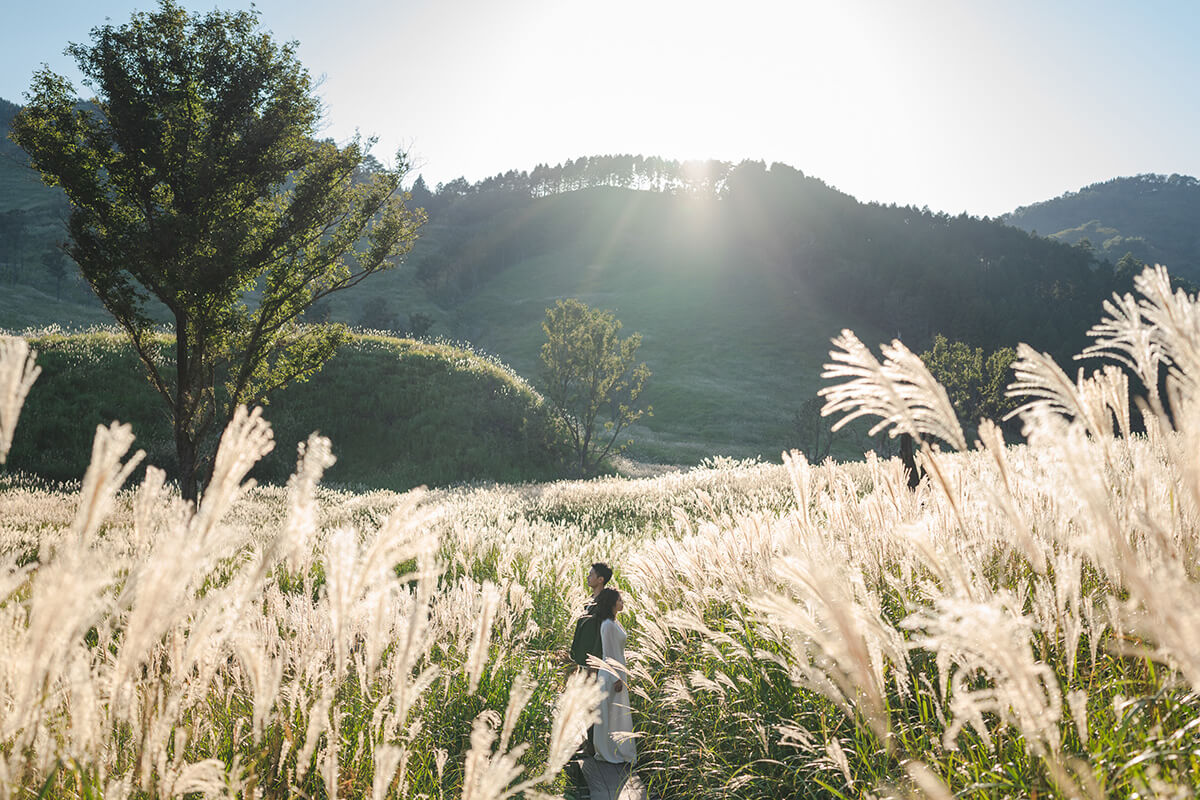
(975, 384)
(196, 179)
(811, 432)
(591, 378)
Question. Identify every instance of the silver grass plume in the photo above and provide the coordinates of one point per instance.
(1107, 393)
(203, 777)
(838, 629)
(1093, 401)
(1039, 377)
(487, 776)
(148, 506)
(17, 374)
(478, 657)
(318, 723)
(184, 551)
(991, 638)
(387, 763)
(900, 391)
(244, 442)
(105, 475)
(926, 783)
(1175, 320)
(315, 456)
(1003, 496)
(519, 694)
(1125, 337)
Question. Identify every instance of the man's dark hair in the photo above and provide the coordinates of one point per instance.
(603, 570)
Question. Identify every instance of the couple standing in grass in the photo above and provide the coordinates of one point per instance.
(598, 645)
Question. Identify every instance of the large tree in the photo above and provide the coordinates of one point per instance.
(591, 378)
(196, 180)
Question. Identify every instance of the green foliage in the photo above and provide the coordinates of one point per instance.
(975, 384)
(399, 414)
(195, 179)
(591, 378)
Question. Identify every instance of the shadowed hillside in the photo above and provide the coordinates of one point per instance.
(736, 282)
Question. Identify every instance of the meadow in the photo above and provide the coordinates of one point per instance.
(1025, 623)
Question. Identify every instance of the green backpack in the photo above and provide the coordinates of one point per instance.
(586, 640)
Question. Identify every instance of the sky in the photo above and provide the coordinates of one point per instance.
(973, 105)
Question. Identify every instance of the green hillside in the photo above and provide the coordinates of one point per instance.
(32, 224)
(399, 413)
(1151, 216)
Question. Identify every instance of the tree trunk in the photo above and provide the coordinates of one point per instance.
(184, 411)
(912, 472)
(185, 451)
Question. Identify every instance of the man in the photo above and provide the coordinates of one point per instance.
(585, 643)
(586, 640)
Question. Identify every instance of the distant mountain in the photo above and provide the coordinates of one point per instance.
(1154, 217)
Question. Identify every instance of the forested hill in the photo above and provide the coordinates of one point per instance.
(900, 270)
(1154, 217)
(737, 276)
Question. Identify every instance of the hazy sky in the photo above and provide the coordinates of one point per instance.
(973, 105)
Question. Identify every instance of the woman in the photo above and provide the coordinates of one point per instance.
(615, 717)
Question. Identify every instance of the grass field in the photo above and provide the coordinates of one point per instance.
(1025, 623)
(23, 307)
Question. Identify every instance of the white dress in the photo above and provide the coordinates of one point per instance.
(615, 716)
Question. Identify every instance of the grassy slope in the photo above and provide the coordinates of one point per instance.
(399, 413)
(24, 307)
(734, 349)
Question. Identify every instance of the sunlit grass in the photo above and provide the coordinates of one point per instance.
(1025, 623)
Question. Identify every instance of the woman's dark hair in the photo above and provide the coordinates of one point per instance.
(603, 570)
(605, 606)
